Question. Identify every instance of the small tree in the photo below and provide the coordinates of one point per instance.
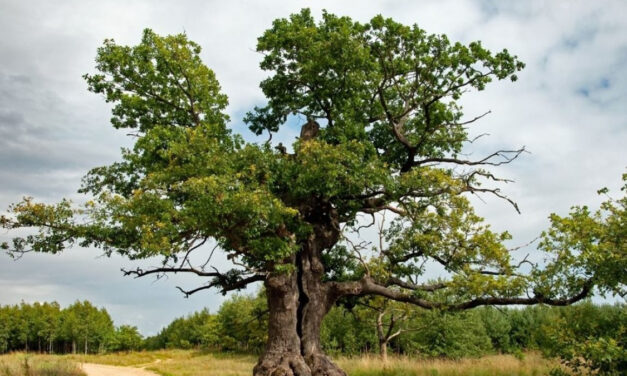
(383, 132)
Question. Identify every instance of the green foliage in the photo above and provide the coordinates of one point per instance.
(587, 246)
(243, 323)
(161, 81)
(45, 327)
(125, 338)
(451, 335)
(199, 329)
(239, 325)
(589, 338)
(349, 332)
(87, 327)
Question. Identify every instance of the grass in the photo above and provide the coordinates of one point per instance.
(198, 363)
(532, 364)
(37, 365)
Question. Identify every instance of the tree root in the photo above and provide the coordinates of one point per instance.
(321, 365)
(282, 364)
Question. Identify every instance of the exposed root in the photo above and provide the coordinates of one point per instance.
(282, 364)
(321, 365)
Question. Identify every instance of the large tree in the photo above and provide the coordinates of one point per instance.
(383, 133)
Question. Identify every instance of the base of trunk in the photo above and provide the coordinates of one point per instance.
(294, 364)
(321, 365)
(281, 364)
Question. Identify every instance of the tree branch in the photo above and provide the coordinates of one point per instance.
(367, 286)
(507, 157)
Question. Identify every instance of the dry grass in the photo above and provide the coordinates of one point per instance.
(195, 363)
(18, 364)
(206, 364)
(532, 364)
(135, 358)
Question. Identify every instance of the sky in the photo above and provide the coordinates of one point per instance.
(568, 108)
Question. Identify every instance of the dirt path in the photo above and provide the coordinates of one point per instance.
(102, 370)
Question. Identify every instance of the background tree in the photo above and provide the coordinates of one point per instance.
(391, 320)
(86, 326)
(390, 134)
(51, 317)
(242, 324)
(125, 338)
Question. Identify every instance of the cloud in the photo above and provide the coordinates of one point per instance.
(567, 108)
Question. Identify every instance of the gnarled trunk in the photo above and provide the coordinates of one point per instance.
(282, 356)
(297, 305)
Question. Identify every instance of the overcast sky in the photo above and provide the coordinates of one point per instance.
(568, 108)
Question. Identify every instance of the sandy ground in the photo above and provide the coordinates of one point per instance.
(102, 370)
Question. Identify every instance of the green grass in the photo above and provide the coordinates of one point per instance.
(37, 365)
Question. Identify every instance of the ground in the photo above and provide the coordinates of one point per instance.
(92, 369)
(196, 363)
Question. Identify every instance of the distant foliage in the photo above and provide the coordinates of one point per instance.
(45, 327)
(240, 325)
(125, 338)
(583, 336)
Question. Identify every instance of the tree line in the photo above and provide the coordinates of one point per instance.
(594, 333)
(80, 327)
(352, 329)
(583, 336)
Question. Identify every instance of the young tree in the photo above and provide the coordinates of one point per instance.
(384, 133)
(391, 319)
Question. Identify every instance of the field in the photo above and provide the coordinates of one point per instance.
(38, 365)
(194, 363)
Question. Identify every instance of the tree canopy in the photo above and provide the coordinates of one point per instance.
(384, 134)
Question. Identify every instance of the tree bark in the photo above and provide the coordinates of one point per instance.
(282, 356)
(297, 304)
(383, 341)
(316, 301)
(383, 351)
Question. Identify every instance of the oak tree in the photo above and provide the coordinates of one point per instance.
(385, 134)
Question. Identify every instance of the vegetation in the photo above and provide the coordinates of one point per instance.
(37, 365)
(382, 134)
(583, 336)
(46, 327)
(199, 363)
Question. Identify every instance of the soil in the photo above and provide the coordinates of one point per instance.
(103, 370)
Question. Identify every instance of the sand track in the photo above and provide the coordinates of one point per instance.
(103, 370)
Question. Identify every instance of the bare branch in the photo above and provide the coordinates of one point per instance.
(141, 273)
(237, 285)
(506, 156)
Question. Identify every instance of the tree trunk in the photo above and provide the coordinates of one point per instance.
(383, 343)
(297, 305)
(316, 301)
(282, 356)
(383, 351)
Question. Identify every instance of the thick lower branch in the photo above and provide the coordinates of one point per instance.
(367, 286)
